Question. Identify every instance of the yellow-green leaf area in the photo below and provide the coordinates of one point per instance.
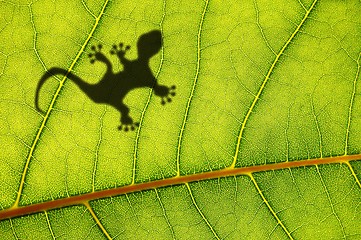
(262, 139)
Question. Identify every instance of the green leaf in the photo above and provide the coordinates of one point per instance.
(261, 141)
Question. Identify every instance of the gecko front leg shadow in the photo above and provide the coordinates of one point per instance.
(126, 122)
(164, 92)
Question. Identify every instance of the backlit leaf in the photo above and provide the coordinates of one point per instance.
(262, 139)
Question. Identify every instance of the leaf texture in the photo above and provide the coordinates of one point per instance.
(261, 141)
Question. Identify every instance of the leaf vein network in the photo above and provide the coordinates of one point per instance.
(200, 212)
(352, 102)
(96, 219)
(331, 204)
(164, 213)
(125, 190)
(267, 77)
(196, 76)
(274, 214)
(137, 138)
(52, 103)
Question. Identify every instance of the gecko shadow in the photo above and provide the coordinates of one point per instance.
(113, 87)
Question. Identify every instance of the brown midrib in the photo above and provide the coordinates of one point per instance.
(227, 172)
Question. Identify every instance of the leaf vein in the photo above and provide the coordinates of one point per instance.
(200, 212)
(331, 204)
(13, 229)
(137, 138)
(260, 28)
(35, 35)
(257, 97)
(97, 149)
(180, 137)
(125, 190)
(164, 213)
(317, 127)
(274, 214)
(353, 174)
(96, 219)
(352, 101)
(49, 110)
(49, 225)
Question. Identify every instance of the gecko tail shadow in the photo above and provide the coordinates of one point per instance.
(51, 73)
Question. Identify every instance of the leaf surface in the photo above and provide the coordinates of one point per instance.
(261, 141)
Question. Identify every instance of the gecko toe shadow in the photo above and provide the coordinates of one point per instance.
(113, 87)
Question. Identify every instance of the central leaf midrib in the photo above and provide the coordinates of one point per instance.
(54, 99)
(83, 198)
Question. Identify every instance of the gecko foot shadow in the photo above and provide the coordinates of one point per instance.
(113, 87)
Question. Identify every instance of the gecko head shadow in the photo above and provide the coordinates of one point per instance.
(114, 86)
(149, 44)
